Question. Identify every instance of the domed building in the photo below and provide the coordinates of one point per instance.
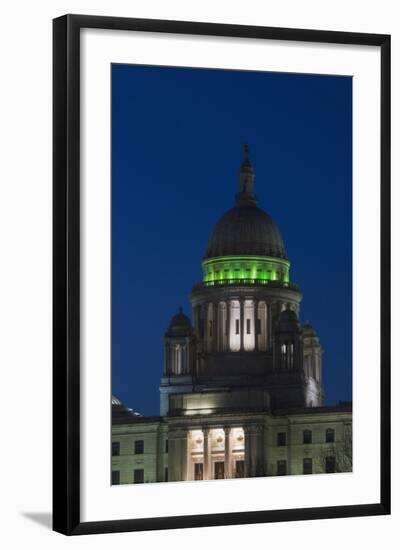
(246, 334)
(241, 389)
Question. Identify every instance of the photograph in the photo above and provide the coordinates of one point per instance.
(231, 274)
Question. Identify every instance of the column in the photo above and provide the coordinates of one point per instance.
(253, 452)
(255, 324)
(289, 449)
(189, 462)
(270, 310)
(184, 454)
(241, 323)
(215, 326)
(222, 326)
(247, 451)
(203, 321)
(186, 357)
(178, 365)
(228, 465)
(228, 325)
(206, 454)
(198, 321)
(166, 359)
(257, 450)
(177, 455)
(170, 359)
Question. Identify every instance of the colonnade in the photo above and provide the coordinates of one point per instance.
(177, 357)
(228, 459)
(204, 457)
(234, 325)
(312, 362)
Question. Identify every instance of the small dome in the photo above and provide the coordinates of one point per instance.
(180, 325)
(308, 331)
(246, 230)
(115, 400)
(121, 411)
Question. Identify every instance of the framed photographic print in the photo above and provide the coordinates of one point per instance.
(221, 274)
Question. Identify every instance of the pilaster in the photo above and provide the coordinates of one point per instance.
(228, 463)
(206, 454)
(241, 323)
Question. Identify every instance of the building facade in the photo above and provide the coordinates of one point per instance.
(241, 393)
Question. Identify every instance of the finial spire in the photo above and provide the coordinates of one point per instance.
(246, 180)
(245, 151)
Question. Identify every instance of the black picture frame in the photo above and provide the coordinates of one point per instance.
(66, 273)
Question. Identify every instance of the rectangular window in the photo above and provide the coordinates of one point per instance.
(281, 468)
(219, 470)
(115, 477)
(237, 326)
(248, 326)
(139, 447)
(330, 435)
(239, 468)
(115, 448)
(330, 464)
(165, 474)
(166, 445)
(281, 439)
(307, 465)
(138, 476)
(198, 471)
(307, 437)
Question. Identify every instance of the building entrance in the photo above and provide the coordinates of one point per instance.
(219, 470)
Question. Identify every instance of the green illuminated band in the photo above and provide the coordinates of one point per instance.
(260, 268)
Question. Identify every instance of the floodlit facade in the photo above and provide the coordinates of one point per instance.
(241, 392)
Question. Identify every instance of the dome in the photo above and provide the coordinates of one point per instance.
(116, 401)
(120, 411)
(180, 325)
(246, 230)
(308, 330)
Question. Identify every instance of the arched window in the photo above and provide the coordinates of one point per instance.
(177, 367)
(290, 356)
(284, 356)
(330, 435)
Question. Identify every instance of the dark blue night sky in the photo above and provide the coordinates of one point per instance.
(177, 138)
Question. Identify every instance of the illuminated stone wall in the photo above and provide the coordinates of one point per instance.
(153, 460)
(317, 449)
(215, 446)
